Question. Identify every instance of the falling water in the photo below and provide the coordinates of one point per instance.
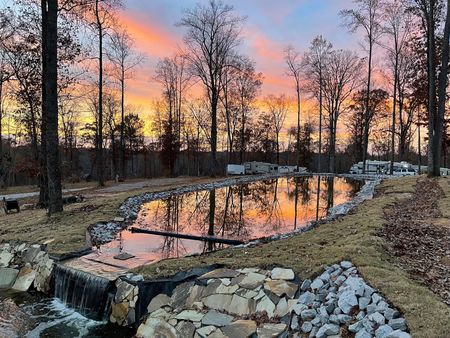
(88, 294)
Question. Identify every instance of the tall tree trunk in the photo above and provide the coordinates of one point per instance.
(42, 157)
(418, 142)
(212, 215)
(100, 162)
(431, 53)
(442, 93)
(298, 124)
(51, 92)
(366, 114)
(319, 169)
(214, 164)
(122, 126)
(394, 108)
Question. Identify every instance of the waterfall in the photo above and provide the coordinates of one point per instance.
(88, 294)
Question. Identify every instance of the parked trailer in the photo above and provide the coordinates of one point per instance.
(372, 167)
(254, 168)
(235, 169)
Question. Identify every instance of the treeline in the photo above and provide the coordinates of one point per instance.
(61, 61)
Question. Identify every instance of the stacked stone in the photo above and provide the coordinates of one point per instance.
(259, 303)
(339, 297)
(123, 307)
(225, 303)
(23, 266)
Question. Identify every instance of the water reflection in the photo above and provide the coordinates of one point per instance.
(241, 212)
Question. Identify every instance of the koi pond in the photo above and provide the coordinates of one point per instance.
(241, 212)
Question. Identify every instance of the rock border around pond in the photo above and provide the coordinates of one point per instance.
(105, 232)
(252, 302)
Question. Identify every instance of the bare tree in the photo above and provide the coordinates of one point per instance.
(341, 76)
(398, 24)
(278, 108)
(292, 59)
(314, 63)
(367, 17)
(211, 38)
(124, 58)
(102, 18)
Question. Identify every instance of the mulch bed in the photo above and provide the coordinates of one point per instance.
(421, 246)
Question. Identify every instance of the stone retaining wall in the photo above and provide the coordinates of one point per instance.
(25, 266)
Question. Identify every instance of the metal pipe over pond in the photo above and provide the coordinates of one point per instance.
(186, 236)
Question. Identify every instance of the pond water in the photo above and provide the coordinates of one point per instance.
(51, 318)
(242, 212)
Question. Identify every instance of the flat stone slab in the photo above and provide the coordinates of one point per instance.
(7, 277)
(217, 319)
(240, 328)
(158, 302)
(220, 273)
(271, 330)
(24, 279)
(285, 274)
(281, 287)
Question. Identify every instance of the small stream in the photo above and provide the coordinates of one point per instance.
(53, 319)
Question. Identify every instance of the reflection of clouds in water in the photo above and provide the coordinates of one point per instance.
(248, 211)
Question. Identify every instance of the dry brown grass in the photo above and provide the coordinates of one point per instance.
(68, 229)
(352, 237)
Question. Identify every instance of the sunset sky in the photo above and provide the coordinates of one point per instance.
(270, 27)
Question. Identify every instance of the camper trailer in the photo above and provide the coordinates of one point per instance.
(372, 167)
(254, 168)
(235, 169)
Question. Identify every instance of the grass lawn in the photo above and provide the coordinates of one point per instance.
(353, 237)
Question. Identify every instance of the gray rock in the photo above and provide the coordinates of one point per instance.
(24, 279)
(30, 253)
(285, 274)
(252, 280)
(240, 328)
(295, 325)
(377, 318)
(390, 313)
(317, 284)
(376, 298)
(344, 319)
(217, 302)
(5, 258)
(308, 314)
(205, 331)
(383, 331)
(306, 327)
(334, 319)
(398, 324)
(325, 277)
(363, 334)
(356, 327)
(316, 321)
(282, 308)
(368, 291)
(220, 273)
(313, 332)
(180, 295)
(307, 298)
(158, 302)
(360, 315)
(265, 304)
(7, 277)
(190, 315)
(363, 302)
(271, 330)
(347, 301)
(217, 319)
(327, 330)
(305, 285)
(371, 308)
(155, 327)
(346, 265)
(123, 290)
(241, 306)
(398, 334)
(298, 308)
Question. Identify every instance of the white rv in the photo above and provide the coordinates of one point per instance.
(254, 168)
(372, 167)
(235, 169)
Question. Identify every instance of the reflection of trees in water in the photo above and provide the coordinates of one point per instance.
(243, 211)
